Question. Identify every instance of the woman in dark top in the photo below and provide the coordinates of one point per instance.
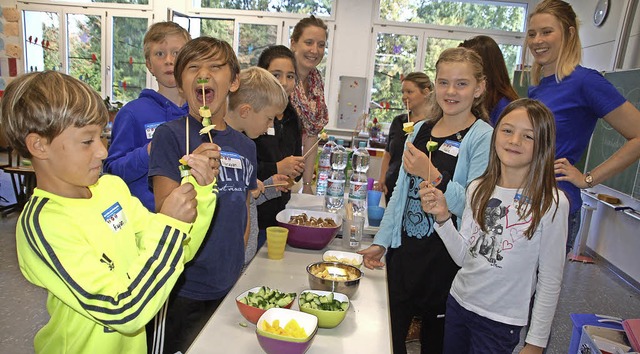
(279, 151)
(416, 88)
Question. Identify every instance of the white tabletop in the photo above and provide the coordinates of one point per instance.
(366, 328)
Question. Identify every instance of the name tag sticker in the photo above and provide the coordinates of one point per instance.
(114, 217)
(230, 160)
(150, 128)
(450, 147)
(271, 131)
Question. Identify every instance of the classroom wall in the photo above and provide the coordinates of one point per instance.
(598, 43)
(10, 45)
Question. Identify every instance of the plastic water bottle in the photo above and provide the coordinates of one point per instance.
(324, 167)
(334, 199)
(358, 180)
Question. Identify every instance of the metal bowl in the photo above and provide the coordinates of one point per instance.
(339, 280)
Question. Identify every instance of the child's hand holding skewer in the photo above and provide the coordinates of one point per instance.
(255, 193)
(282, 183)
(291, 166)
(418, 163)
(181, 203)
(433, 201)
(204, 163)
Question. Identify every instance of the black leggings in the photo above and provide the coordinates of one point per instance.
(420, 273)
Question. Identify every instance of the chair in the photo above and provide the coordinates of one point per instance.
(23, 180)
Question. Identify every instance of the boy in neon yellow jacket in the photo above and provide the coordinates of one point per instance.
(107, 263)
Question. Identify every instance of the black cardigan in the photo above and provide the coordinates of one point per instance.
(287, 141)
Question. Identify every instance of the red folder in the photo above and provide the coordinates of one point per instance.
(632, 329)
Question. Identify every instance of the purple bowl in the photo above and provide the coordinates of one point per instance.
(308, 237)
(276, 346)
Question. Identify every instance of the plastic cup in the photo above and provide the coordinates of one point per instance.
(352, 232)
(375, 214)
(276, 241)
(373, 198)
(370, 182)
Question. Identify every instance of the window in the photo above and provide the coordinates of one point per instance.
(488, 15)
(248, 35)
(42, 46)
(102, 48)
(411, 35)
(84, 49)
(129, 2)
(252, 40)
(129, 70)
(304, 7)
(395, 56)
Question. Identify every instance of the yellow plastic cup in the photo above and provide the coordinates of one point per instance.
(276, 241)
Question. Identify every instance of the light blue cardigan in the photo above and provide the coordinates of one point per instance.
(472, 162)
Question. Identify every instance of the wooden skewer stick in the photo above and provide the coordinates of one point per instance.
(187, 131)
(429, 175)
(314, 146)
(277, 185)
(210, 138)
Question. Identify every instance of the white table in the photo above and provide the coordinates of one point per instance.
(366, 328)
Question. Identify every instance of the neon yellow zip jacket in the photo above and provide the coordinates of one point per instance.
(107, 263)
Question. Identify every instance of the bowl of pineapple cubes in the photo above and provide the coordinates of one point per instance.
(256, 301)
(330, 308)
(334, 276)
(285, 331)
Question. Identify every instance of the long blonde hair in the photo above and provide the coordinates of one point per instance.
(540, 187)
(462, 55)
(570, 49)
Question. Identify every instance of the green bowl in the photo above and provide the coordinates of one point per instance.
(326, 319)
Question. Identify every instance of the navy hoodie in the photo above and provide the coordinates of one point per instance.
(132, 131)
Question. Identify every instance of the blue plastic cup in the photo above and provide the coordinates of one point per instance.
(375, 214)
(373, 198)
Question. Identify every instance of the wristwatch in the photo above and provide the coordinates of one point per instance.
(588, 179)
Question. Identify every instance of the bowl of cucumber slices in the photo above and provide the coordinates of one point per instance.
(330, 307)
(256, 301)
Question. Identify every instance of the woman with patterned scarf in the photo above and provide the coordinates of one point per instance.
(308, 42)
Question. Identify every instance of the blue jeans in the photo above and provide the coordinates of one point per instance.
(574, 227)
(468, 332)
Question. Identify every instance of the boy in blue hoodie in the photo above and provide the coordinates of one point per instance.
(136, 122)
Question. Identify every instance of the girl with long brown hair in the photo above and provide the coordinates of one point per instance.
(510, 240)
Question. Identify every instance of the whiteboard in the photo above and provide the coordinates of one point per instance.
(351, 101)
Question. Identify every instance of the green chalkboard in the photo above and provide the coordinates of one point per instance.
(521, 85)
(605, 140)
